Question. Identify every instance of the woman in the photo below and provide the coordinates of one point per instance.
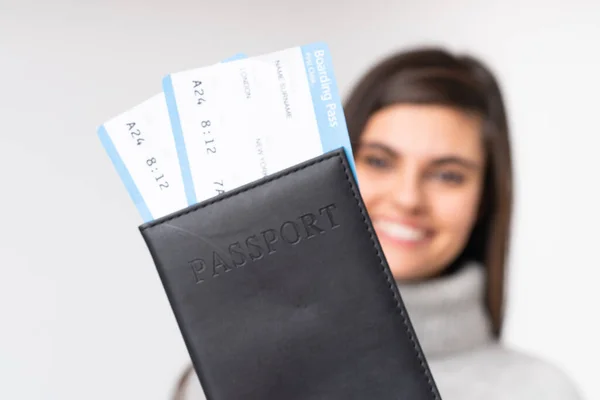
(432, 152)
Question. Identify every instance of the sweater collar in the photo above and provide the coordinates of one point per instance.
(448, 313)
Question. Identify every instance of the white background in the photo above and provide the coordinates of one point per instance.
(82, 311)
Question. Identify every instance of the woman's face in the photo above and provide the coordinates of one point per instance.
(420, 170)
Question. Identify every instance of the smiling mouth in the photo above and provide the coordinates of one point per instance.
(401, 232)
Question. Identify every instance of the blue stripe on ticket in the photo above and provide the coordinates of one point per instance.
(326, 99)
(238, 56)
(184, 163)
(126, 178)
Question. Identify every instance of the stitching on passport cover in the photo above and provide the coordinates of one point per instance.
(390, 282)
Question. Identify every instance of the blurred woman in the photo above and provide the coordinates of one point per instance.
(431, 143)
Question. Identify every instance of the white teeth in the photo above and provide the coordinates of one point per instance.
(400, 231)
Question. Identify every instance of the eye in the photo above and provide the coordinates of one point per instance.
(450, 177)
(376, 162)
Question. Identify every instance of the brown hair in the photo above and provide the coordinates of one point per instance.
(434, 76)
(182, 383)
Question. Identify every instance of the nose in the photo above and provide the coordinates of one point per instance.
(407, 193)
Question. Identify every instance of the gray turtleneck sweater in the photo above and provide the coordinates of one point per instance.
(466, 361)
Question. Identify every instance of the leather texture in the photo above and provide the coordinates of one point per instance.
(281, 291)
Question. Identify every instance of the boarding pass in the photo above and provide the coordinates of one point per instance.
(142, 148)
(221, 126)
(237, 122)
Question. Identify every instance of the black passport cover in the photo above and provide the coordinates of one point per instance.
(281, 291)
